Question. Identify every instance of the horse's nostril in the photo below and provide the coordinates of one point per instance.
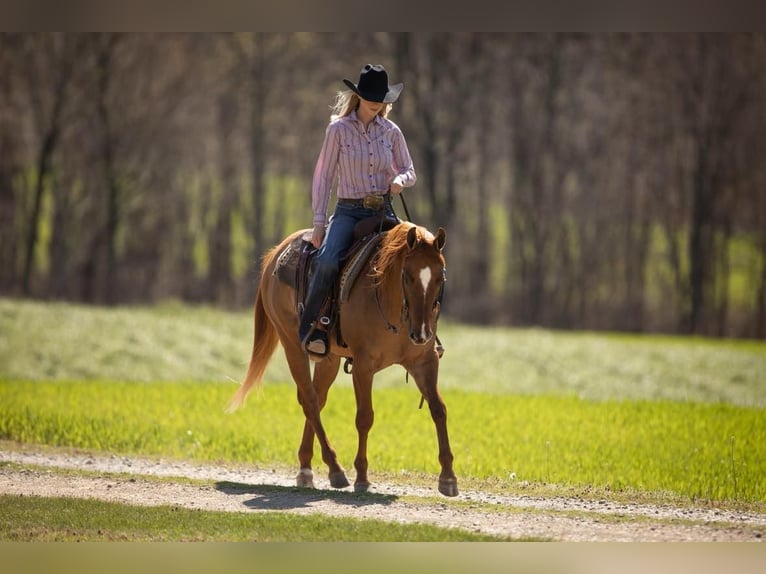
(419, 338)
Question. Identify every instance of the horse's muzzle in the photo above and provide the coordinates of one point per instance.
(421, 337)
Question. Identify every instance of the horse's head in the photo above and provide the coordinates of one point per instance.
(423, 277)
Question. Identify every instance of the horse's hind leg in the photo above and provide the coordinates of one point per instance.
(364, 419)
(324, 374)
(309, 400)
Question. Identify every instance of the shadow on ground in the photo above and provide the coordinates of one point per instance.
(269, 497)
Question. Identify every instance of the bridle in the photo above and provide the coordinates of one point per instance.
(405, 315)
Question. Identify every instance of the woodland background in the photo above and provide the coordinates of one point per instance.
(586, 181)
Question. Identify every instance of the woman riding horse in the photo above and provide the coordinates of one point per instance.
(390, 317)
(391, 313)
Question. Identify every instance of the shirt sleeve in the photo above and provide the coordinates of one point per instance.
(405, 170)
(324, 174)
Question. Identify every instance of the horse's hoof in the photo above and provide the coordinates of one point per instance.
(305, 478)
(361, 487)
(448, 486)
(338, 479)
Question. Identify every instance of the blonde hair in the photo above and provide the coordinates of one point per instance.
(347, 101)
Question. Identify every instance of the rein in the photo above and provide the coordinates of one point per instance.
(406, 305)
(405, 308)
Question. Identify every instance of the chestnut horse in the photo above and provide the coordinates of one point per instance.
(389, 317)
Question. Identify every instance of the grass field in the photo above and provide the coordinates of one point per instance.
(661, 415)
(75, 520)
(712, 452)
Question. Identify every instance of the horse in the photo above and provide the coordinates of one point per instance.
(400, 286)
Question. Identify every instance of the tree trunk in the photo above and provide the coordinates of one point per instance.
(44, 161)
(63, 67)
(220, 273)
(258, 84)
(60, 251)
(8, 244)
(480, 277)
(700, 243)
(723, 270)
(111, 223)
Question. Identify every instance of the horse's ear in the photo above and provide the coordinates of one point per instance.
(441, 239)
(412, 237)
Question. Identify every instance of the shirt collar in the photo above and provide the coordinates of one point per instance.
(376, 120)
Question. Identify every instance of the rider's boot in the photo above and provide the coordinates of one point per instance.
(314, 341)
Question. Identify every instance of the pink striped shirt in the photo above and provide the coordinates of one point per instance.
(361, 162)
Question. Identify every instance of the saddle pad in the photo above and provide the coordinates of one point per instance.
(355, 264)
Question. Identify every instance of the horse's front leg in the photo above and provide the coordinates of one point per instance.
(426, 375)
(325, 373)
(364, 418)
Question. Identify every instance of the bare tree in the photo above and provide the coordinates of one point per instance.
(220, 274)
(50, 61)
(712, 94)
(10, 159)
(105, 45)
(534, 86)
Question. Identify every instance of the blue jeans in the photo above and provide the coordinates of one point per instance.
(339, 236)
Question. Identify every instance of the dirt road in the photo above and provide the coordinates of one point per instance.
(259, 490)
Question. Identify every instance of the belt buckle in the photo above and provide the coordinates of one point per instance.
(373, 201)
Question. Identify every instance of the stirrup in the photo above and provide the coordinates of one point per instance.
(315, 344)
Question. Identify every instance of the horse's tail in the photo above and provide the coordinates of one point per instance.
(265, 341)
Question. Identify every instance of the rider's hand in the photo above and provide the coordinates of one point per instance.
(317, 235)
(395, 188)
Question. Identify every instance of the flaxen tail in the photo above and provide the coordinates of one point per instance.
(265, 341)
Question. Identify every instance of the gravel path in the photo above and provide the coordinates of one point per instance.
(258, 490)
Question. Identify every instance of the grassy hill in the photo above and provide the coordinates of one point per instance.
(173, 342)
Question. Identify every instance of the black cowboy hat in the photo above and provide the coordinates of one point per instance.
(373, 85)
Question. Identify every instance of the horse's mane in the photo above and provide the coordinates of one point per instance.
(392, 247)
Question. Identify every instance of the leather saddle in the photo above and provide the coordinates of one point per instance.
(294, 267)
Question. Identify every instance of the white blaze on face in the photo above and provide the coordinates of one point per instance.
(425, 279)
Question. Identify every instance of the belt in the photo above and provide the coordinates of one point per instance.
(369, 201)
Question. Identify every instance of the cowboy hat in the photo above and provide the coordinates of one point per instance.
(373, 85)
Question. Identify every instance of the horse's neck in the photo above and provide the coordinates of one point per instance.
(392, 292)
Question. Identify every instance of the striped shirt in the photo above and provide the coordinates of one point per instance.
(361, 162)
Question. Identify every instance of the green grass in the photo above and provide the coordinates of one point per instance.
(699, 451)
(603, 411)
(59, 341)
(604, 366)
(53, 519)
